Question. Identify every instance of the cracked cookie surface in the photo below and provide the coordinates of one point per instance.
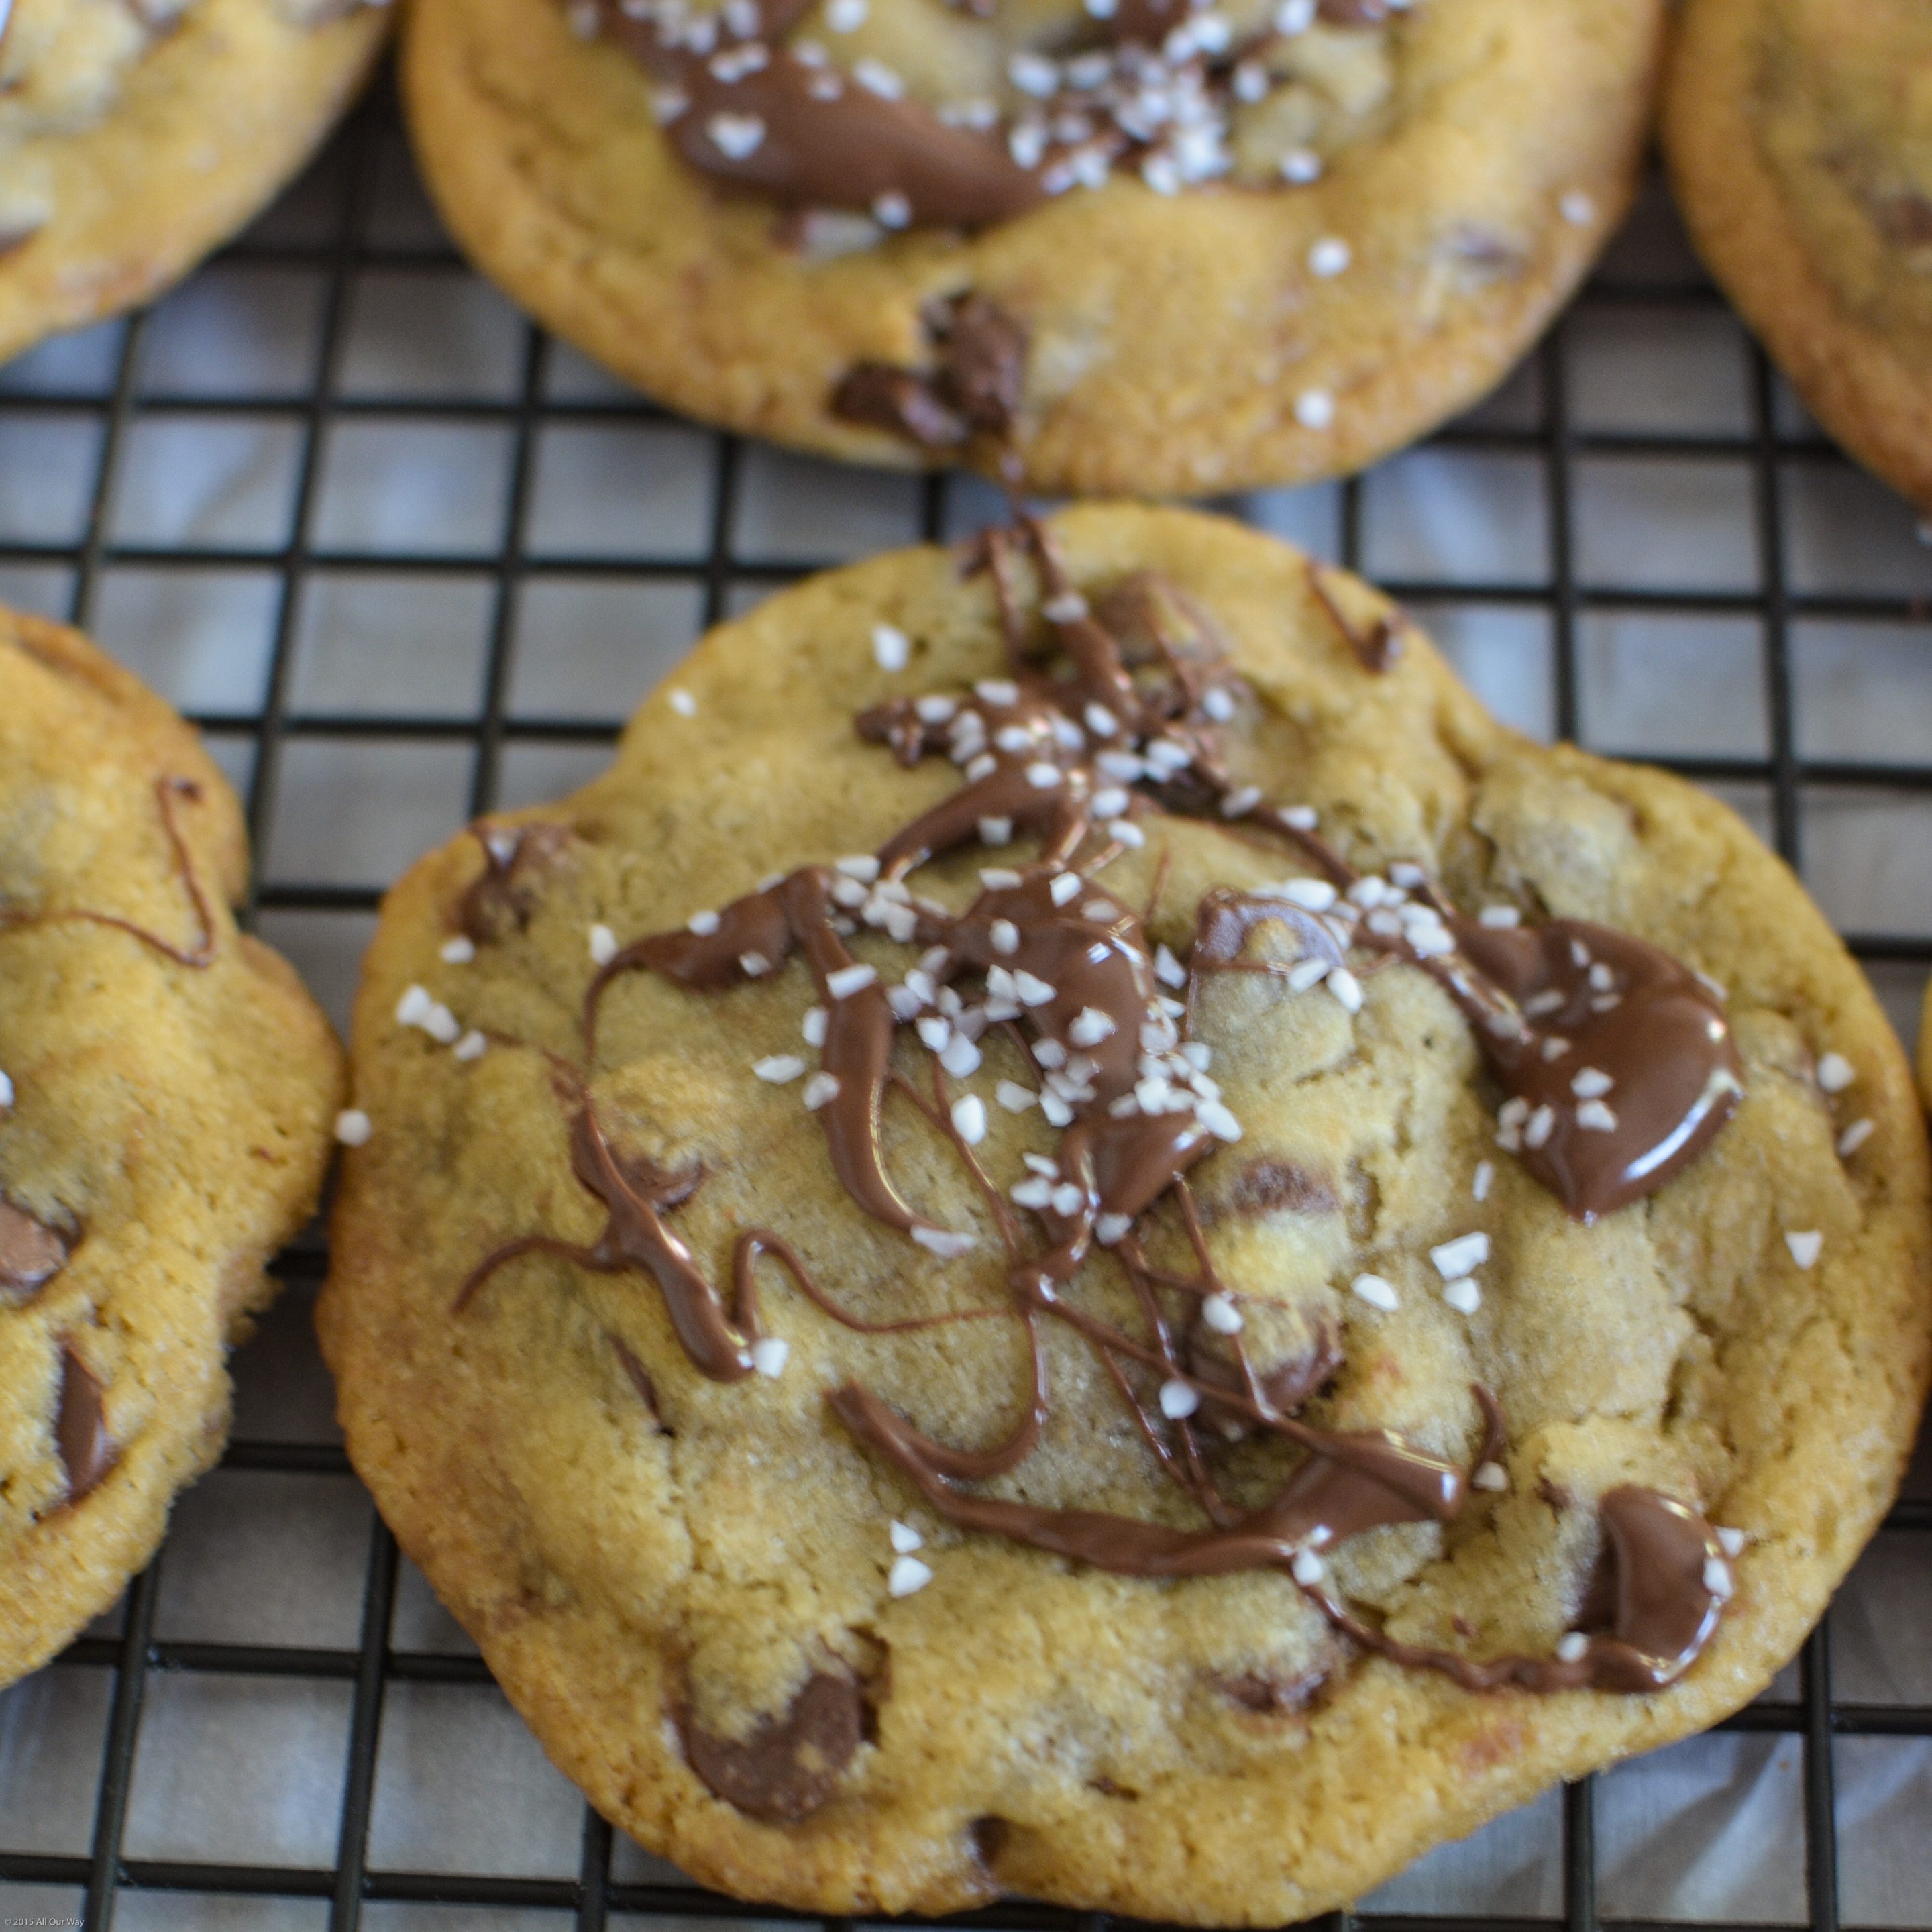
(165, 1113)
(1309, 279)
(134, 139)
(759, 1566)
(1799, 136)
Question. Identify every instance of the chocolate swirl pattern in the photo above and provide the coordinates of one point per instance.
(1616, 1065)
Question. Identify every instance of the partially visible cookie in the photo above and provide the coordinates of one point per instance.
(1799, 135)
(134, 137)
(1141, 248)
(1081, 1237)
(165, 1119)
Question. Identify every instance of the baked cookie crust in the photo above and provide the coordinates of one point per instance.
(665, 1570)
(1799, 139)
(168, 1098)
(197, 135)
(1179, 344)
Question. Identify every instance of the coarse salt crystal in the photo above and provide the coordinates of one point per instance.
(1375, 1291)
(1221, 1314)
(1177, 1399)
(353, 1127)
(768, 1354)
(907, 1576)
(1805, 1246)
(778, 1068)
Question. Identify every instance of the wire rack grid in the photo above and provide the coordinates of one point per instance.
(404, 559)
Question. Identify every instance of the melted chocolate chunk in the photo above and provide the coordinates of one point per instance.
(808, 137)
(31, 1254)
(87, 1452)
(973, 388)
(789, 1767)
(501, 899)
(1904, 218)
(1622, 1069)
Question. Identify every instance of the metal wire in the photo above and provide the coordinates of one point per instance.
(1815, 1717)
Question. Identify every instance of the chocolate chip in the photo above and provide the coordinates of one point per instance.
(31, 1254)
(788, 1767)
(990, 1838)
(1273, 1185)
(1267, 1693)
(982, 359)
(500, 901)
(1286, 1384)
(878, 395)
(973, 387)
(1905, 218)
(87, 1449)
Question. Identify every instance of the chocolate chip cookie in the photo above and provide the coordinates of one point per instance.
(166, 1093)
(1081, 1237)
(1120, 245)
(1799, 133)
(136, 135)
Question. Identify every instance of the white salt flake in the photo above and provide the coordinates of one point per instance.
(769, 1355)
(778, 1068)
(846, 980)
(905, 1539)
(960, 1056)
(907, 1576)
(1482, 1179)
(414, 1007)
(442, 1025)
(814, 1025)
(1375, 1291)
(1064, 886)
(945, 1243)
(821, 1087)
(1330, 256)
(1805, 1247)
(1597, 1117)
(1177, 1399)
(1577, 208)
(1346, 989)
(1590, 1083)
(1855, 1137)
(1221, 1314)
(737, 137)
(1309, 1568)
(1461, 1256)
(459, 951)
(1111, 1228)
(1314, 408)
(1462, 1294)
(1718, 1579)
(892, 649)
(1573, 1649)
(1031, 991)
(471, 1046)
(1731, 1541)
(1490, 1476)
(353, 1127)
(1015, 1098)
(1503, 916)
(603, 945)
(969, 1119)
(1089, 1027)
(1835, 1072)
(682, 702)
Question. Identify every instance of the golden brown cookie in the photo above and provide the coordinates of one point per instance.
(1155, 250)
(1126, 1256)
(134, 138)
(1799, 134)
(165, 1119)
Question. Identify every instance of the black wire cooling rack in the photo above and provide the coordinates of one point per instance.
(1770, 456)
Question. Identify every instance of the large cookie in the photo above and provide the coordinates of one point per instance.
(164, 1123)
(1170, 1383)
(1127, 246)
(135, 136)
(1799, 133)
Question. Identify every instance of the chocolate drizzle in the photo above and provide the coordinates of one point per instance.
(1069, 751)
(499, 900)
(203, 951)
(31, 1254)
